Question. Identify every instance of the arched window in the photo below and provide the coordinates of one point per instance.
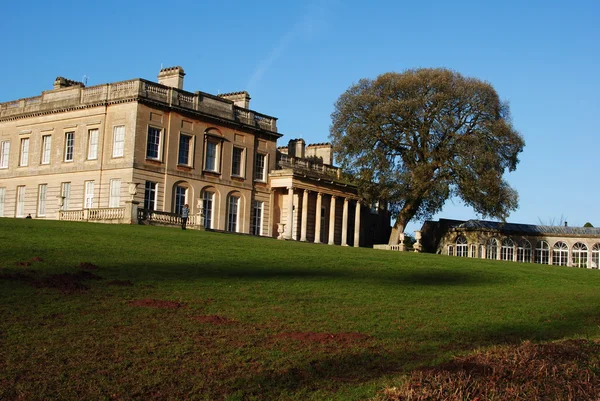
(233, 213)
(508, 250)
(542, 252)
(491, 249)
(461, 246)
(560, 254)
(596, 256)
(209, 206)
(524, 251)
(579, 255)
(181, 196)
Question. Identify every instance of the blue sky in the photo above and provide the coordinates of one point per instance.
(296, 58)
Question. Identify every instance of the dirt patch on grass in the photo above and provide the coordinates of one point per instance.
(567, 370)
(214, 320)
(68, 283)
(156, 303)
(324, 338)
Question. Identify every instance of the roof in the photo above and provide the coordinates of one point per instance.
(532, 229)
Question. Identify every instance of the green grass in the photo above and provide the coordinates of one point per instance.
(411, 310)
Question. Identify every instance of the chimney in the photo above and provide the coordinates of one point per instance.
(61, 82)
(171, 76)
(296, 148)
(240, 99)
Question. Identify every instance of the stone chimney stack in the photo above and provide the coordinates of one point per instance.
(240, 99)
(171, 76)
(61, 82)
(296, 148)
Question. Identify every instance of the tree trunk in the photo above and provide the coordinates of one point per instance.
(397, 229)
(405, 215)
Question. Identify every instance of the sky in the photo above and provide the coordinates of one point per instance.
(296, 58)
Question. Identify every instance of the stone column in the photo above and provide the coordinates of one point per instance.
(290, 214)
(345, 223)
(332, 220)
(318, 219)
(357, 225)
(304, 215)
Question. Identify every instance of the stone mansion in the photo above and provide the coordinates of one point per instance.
(136, 151)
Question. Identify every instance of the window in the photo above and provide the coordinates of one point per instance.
(118, 141)
(560, 254)
(42, 193)
(507, 252)
(69, 146)
(473, 251)
(24, 160)
(579, 255)
(92, 144)
(491, 249)
(595, 255)
(46, 148)
(233, 213)
(257, 218)
(89, 194)
(153, 143)
(450, 250)
(260, 167)
(208, 199)
(2, 200)
(4, 153)
(150, 195)
(212, 157)
(65, 193)
(542, 252)
(461, 246)
(186, 144)
(115, 193)
(524, 252)
(180, 195)
(237, 162)
(21, 201)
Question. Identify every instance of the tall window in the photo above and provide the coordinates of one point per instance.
(69, 146)
(596, 256)
(46, 148)
(211, 162)
(153, 143)
(186, 144)
(118, 141)
(233, 213)
(24, 160)
(180, 195)
(89, 194)
(150, 195)
(450, 250)
(491, 249)
(542, 252)
(579, 255)
(260, 167)
(524, 251)
(461, 246)
(2, 200)
(65, 193)
(208, 199)
(257, 218)
(507, 252)
(115, 193)
(42, 193)
(237, 162)
(21, 201)
(4, 154)
(92, 144)
(473, 251)
(560, 254)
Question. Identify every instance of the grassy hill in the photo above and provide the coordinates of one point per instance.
(103, 312)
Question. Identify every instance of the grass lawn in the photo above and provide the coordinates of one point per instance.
(103, 312)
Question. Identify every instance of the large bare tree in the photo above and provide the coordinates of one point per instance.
(419, 137)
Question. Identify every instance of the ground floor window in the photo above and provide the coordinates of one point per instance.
(473, 251)
(560, 254)
(150, 195)
(491, 249)
(507, 252)
(42, 193)
(180, 196)
(524, 252)
(208, 199)
(461, 246)
(115, 193)
(89, 194)
(2, 200)
(579, 255)
(542, 253)
(65, 193)
(233, 213)
(20, 212)
(257, 217)
(595, 256)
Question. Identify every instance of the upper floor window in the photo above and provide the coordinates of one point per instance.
(46, 148)
(4, 154)
(260, 167)
(118, 141)
(237, 162)
(186, 143)
(69, 146)
(211, 162)
(92, 144)
(24, 160)
(153, 143)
